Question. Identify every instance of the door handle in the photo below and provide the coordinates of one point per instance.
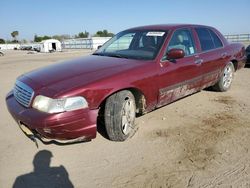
(198, 61)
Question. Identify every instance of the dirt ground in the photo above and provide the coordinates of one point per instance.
(200, 141)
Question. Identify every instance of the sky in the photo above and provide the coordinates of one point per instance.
(51, 17)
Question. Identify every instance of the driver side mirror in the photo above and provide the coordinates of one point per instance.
(98, 47)
(175, 54)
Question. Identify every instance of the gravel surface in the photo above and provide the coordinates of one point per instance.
(200, 141)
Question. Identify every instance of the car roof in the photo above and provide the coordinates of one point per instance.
(166, 26)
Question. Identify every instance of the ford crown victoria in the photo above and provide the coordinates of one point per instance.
(135, 72)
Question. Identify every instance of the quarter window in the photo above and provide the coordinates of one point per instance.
(216, 40)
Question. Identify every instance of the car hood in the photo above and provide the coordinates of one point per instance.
(78, 72)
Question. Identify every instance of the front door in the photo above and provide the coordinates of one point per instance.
(180, 77)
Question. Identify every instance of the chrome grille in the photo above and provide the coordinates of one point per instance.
(23, 93)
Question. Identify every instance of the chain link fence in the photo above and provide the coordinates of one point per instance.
(84, 43)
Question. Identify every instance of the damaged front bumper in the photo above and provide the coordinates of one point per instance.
(66, 127)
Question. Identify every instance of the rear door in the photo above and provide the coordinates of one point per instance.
(180, 77)
(212, 55)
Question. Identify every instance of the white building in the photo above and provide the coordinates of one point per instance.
(50, 45)
(84, 43)
(99, 41)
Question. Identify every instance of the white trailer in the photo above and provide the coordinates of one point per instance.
(50, 45)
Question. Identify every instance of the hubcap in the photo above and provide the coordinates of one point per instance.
(228, 76)
(128, 116)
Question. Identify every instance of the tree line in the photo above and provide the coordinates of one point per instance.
(37, 38)
(14, 35)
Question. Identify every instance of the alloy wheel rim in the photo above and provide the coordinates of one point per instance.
(128, 116)
(228, 76)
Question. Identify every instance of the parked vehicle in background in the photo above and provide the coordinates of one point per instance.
(26, 47)
(33, 47)
(248, 55)
(37, 48)
(135, 72)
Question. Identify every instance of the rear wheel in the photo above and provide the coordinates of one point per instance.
(119, 115)
(226, 78)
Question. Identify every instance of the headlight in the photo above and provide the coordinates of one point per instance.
(50, 105)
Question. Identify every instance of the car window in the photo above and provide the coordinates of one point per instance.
(205, 38)
(182, 39)
(216, 39)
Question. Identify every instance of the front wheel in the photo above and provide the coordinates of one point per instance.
(119, 115)
(226, 78)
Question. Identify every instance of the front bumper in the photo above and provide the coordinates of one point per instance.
(63, 127)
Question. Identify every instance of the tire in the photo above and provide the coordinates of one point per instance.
(226, 78)
(119, 115)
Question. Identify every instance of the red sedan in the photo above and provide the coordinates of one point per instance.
(137, 71)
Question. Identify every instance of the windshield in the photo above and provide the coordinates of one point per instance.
(142, 44)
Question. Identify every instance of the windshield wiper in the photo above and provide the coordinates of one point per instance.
(116, 55)
(110, 55)
(100, 54)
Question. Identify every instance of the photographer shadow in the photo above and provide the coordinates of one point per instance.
(44, 175)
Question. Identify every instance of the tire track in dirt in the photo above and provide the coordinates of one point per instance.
(199, 140)
(198, 150)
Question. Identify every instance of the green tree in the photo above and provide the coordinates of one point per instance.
(2, 41)
(83, 35)
(45, 37)
(14, 34)
(103, 33)
(37, 38)
(41, 38)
